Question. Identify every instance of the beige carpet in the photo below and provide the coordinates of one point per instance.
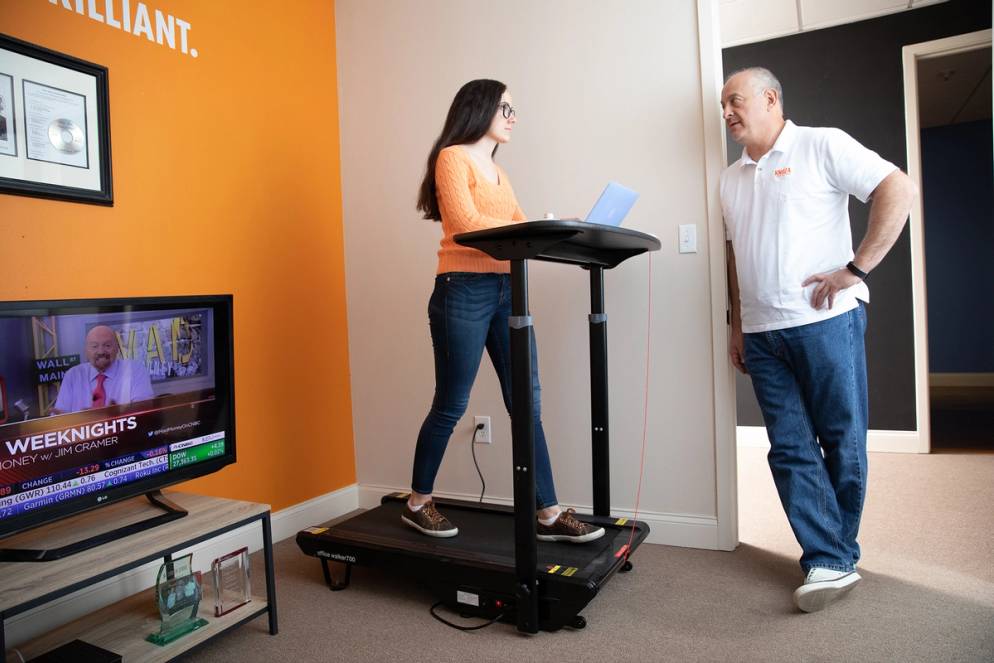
(927, 593)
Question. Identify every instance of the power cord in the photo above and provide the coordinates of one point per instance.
(456, 626)
(472, 446)
(645, 414)
(483, 489)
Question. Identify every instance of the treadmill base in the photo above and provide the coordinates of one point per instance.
(473, 575)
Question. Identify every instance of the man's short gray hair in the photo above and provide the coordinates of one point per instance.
(763, 79)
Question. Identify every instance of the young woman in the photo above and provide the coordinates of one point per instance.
(468, 311)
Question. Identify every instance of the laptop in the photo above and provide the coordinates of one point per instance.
(613, 205)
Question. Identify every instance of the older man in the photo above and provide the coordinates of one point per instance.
(799, 311)
(104, 380)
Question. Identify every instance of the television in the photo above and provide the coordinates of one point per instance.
(105, 399)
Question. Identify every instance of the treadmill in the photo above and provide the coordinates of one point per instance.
(496, 568)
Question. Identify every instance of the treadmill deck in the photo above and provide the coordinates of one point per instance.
(486, 538)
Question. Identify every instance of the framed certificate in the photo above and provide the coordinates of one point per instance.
(54, 125)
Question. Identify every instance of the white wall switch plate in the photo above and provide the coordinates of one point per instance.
(688, 238)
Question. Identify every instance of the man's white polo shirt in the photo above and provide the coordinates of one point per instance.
(787, 217)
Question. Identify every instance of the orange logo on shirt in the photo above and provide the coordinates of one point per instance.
(781, 172)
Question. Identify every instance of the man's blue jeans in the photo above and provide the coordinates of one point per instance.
(468, 312)
(811, 385)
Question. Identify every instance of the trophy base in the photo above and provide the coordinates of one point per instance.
(165, 637)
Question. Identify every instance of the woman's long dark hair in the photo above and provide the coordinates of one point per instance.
(470, 115)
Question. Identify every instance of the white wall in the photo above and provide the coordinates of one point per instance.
(604, 90)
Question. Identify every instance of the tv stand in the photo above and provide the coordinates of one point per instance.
(172, 512)
(122, 627)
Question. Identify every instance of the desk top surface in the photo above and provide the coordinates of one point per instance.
(561, 240)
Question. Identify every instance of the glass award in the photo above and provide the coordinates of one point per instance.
(177, 596)
(232, 581)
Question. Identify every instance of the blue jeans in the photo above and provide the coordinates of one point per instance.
(467, 312)
(811, 385)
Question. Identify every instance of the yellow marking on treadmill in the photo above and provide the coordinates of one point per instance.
(316, 530)
(570, 571)
(553, 569)
(621, 521)
(401, 495)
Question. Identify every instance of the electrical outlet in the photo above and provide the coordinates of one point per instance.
(482, 434)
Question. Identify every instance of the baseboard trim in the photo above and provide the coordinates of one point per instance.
(888, 441)
(284, 523)
(961, 379)
(287, 522)
(671, 529)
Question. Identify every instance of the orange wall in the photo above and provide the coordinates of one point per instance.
(226, 180)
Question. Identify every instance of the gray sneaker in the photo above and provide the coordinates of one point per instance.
(428, 520)
(823, 586)
(568, 528)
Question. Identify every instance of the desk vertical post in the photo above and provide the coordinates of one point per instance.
(267, 552)
(600, 440)
(523, 453)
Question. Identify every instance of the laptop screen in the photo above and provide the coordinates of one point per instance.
(613, 205)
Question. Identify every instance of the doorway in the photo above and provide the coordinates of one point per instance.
(950, 156)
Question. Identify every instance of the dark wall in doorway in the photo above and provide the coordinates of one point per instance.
(957, 174)
(852, 77)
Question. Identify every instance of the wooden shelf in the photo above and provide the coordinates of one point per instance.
(122, 628)
(32, 582)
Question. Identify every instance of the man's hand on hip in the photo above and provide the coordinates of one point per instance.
(829, 285)
(736, 350)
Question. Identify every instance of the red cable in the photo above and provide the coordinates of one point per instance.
(645, 415)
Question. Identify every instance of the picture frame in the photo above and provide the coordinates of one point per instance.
(231, 576)
(54, 125)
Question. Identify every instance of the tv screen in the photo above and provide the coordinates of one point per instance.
(101, 400)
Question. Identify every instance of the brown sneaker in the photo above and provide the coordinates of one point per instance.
(428, 520)
(568, 528)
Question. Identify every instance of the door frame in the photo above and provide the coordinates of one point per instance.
(722, 375)
(911, 54)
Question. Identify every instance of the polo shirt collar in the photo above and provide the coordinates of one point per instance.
(784, 141)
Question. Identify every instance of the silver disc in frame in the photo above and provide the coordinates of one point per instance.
(65, 135)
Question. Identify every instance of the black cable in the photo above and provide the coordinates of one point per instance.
(461, 628)
(472, 445)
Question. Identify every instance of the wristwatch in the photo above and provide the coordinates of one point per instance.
(857, 271)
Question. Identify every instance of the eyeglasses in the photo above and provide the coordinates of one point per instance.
(506, 109)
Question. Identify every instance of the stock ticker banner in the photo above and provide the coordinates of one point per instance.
(42, 463)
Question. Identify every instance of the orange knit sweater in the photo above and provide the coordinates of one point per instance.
(469, 201)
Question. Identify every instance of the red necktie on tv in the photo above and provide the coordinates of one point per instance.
(99, 395)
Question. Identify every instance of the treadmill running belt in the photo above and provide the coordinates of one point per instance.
(484, 536)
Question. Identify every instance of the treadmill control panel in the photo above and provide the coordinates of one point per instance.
(473, 600)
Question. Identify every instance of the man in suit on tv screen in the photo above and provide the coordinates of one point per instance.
(105, 379)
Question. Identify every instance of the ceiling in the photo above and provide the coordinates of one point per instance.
(954, 88)
(747, 21)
